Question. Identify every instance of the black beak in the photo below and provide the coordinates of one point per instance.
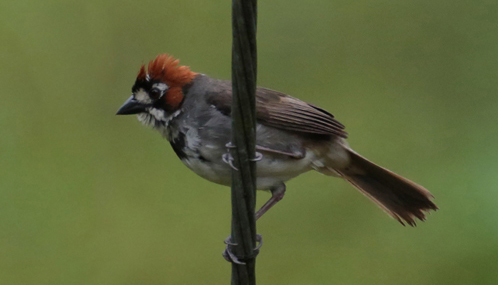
(131, 106)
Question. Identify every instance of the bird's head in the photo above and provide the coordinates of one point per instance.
(157, 92)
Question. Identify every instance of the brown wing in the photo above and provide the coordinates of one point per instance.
(285, 112)
(281, 111)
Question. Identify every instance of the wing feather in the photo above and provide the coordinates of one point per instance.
(281, 111)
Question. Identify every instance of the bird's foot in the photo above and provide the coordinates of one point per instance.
(259, 156)
(230, 145)
(231, 257)
(228, 159)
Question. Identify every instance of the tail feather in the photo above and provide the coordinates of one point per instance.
(401, 198)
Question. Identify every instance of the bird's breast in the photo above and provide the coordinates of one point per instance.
(271, 169)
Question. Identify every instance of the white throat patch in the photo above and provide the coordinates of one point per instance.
(158, 119)
(158, 114)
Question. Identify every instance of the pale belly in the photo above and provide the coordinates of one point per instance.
(271, 169)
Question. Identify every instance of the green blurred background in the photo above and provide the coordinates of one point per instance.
(87, 197)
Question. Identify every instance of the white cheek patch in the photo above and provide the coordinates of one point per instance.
(158, 114)
(142, 96)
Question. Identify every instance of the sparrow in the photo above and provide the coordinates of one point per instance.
(192, 111)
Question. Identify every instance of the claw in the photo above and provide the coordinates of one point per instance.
(230, 257)
(228, 254)
(259, 156)
(228, 241)
(229, 146)
(228, 159)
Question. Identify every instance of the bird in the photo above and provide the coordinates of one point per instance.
(192, 111)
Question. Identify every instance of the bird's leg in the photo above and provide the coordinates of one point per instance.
(277, 193)
(228, 254)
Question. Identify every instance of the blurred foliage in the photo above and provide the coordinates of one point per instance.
(87, 197)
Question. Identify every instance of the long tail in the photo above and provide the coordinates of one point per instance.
(398, 196)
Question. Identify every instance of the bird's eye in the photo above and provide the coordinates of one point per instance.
(155, 94)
